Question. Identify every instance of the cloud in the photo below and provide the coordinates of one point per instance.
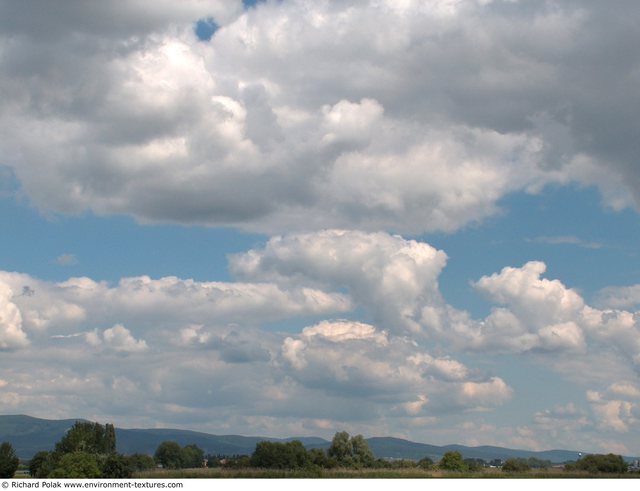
(357, 360)
(616, 408)
(66, 260)
(191, 347)
(170, 300)
(11, 334)
(569, 240)
(299, 116)
(619, 297)
(392, 277)
(118, 338)
(539, 314)
(347, 327)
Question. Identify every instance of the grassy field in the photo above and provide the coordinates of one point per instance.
(218, 473)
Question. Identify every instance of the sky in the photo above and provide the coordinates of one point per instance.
(416, 219)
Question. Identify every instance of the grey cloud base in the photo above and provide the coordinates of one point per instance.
(409, 118)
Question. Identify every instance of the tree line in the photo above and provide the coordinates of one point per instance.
(88, 450)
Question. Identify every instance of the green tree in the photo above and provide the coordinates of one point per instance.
(516, 465)
(141, 462)
(116, 466)
(169, 455)
(77, 465)
(350, 451)
(319, 457)
(191, 456)
(340, 448)
(279, 455)
(8, 460)
(596, 463)
(452, 461)
(38, 464)
(109, 442)
(536, 463)
(425, 463)
(87, 437)
(474, 465)
(361, 452)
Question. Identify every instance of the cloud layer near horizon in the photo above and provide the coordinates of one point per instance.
(409, 117)
(173, 348)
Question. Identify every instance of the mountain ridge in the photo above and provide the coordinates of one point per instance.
(29, 435)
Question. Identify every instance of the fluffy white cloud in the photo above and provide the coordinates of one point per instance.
(538, 314)
(168, 301)
(392, 277)
(118, 338)
(356, 359)
(304, 114)
(11, 333)
(537, 300)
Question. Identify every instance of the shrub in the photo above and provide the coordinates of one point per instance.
(117, 466)
(77, 465)
(452, 461)
(516, 465)
(596, 463)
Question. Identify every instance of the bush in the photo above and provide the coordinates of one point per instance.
(452, 461)
(191, 456)
(474, 465)
(516, 465)
(77, 465)
(117, 467)
(141, 462)
(598, 463)
(41, 464)
(169, 455)
(276, 455)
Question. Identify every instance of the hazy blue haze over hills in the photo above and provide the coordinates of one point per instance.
(29, 435)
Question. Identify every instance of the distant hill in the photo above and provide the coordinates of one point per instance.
(29, 435)
(146, 441)
(387, 447)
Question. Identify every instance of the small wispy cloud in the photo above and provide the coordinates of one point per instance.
(66, 260)
(618, 297)
(68, 336)
(567, 240)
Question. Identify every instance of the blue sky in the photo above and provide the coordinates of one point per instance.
(417, 220)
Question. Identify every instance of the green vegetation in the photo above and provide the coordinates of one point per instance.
(345, 451)
(598, 463)
(368, 473)
(350, 451)
(170, 455)
(8, 461)
(274, 455)
(141, 462)
(86, 450)
(474, 465)
(452, 461)
(516, 465)
(76, 465)
(425, 463)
